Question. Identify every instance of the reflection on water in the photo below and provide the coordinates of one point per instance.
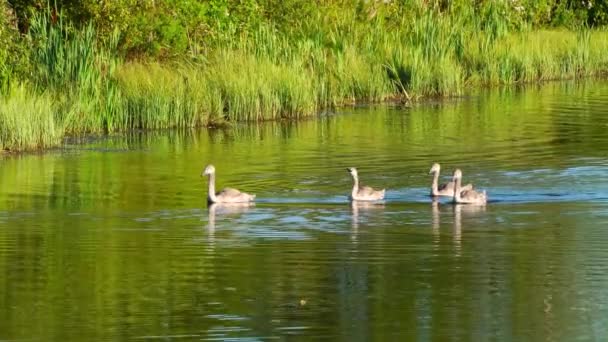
(225, 210)
(436, 221)
(459, 211)
(364, 207)
(113, 240)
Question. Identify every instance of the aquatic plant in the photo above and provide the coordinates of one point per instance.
(28, 120)
(271, 74)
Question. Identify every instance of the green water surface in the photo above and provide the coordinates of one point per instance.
(111, 238)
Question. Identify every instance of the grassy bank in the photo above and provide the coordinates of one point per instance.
(82, 85)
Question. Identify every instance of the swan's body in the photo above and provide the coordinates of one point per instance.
(446, 189)
(467, 196)
(227, 195)
(363, 193)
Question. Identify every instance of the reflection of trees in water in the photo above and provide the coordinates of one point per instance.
(284, 130)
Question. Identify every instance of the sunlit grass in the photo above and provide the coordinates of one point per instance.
(28, 121)
(271, 75)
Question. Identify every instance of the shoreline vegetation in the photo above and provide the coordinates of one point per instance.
(58, 78)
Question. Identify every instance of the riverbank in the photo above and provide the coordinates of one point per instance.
(81, 84)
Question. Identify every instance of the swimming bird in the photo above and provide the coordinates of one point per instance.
(363, 193)
(466, 196)
(227, 195)
(446, 189)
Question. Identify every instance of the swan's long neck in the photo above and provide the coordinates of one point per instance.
(435, 184)
(355, 186)
(211, 192)
(457, 190)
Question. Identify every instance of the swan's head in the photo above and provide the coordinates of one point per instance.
(435, 168)
(210, 169)
(457, 174)
(352, 171)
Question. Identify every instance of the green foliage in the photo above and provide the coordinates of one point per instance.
(166, 28)
(598, 13)
(239, 61)
(13, 54)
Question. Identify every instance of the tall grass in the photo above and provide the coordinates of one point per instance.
(71, 63)
(28, 121)
(270, 75)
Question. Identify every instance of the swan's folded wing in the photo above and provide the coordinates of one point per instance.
(449, 186)
(366, 191)
(472, 195)
(467, 187)
(229, 192)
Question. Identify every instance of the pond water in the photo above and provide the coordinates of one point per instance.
(111, 239)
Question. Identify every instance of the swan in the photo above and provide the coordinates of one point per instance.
(446, 189)
(227, 195)
(466, 196)
(363, 193)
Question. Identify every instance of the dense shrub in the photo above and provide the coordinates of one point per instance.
(13, 56)
(174, 27)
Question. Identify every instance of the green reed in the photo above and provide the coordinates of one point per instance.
(266, 74)
(28, 120)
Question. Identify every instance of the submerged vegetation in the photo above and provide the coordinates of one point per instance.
(59, 78)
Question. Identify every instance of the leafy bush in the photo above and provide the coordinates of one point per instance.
(13, 57)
